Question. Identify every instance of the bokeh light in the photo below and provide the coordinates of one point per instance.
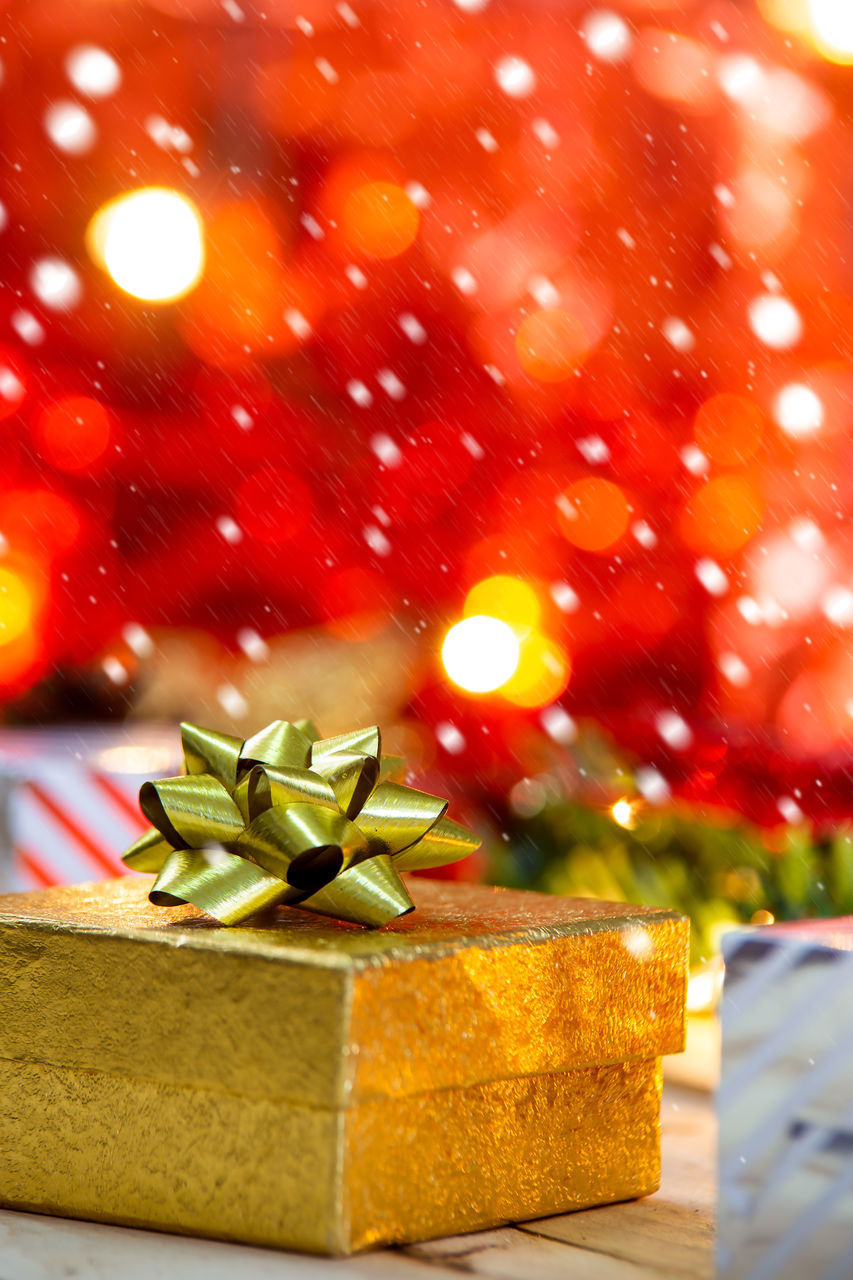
(151, 241)
(73, 433)
(38, 521)
(729, 428)
(549, 344)
(510, 599)
(723, 515)
(832, 25)
(93, 71)
(379, 220)
(593, 513)
(480, 653)
(16, 606)
(542, 673)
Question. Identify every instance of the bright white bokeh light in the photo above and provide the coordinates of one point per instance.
(775, 321)
(56, 284)
(151, 242)
(515, 77)
(70, 127)
(607, 35)
(471, 6)
(798, 411)
(832, 22)
(480, 653)
(93, 71)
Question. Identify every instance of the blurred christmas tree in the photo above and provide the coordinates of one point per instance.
(358, 315)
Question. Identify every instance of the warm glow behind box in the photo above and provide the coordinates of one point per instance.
(314, 1085)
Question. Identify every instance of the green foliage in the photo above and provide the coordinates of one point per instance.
(716, 868)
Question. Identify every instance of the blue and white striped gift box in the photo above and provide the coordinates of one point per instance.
(786, 1104)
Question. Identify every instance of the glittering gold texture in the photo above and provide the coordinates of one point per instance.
(307, 1084)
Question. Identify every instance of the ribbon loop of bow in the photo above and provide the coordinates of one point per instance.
(288, 817)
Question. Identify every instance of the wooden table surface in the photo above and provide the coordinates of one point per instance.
(669, 1234)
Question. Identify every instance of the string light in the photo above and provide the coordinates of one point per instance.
(151, 241)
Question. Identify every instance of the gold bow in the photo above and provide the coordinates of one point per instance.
(286, 816)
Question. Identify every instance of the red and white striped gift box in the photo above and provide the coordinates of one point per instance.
(69, 799)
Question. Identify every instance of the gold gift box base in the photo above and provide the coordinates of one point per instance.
(92, 1145)
(493, 1057)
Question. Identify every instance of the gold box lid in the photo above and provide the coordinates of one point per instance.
(478, 984)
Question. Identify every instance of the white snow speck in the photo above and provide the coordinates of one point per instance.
(565, 598)
(449, 737)
(558, 725)
(253, 645)
(593, 450)
(694, 459)
(789, 809)
(114, 670)
(412, 328)
(304, 25)
(806, 535)
(171, 137)
(486, 140)
(677, 334)
(137, 640)
(356, 276)
(242, 417)
(543, 292)
(644, 533)
(546, 133)
(376, 540)
(229, 529)
(651, 785)
(27, 327)
(359, 393)
(638, 942)
(232, 701)
(348, 14)
(473, 446)
(418, 194)
(837, 606)
(70, 127)
(712, 577)
(297, 323)
(56, 284)
(626, 238)
(463, 280)
(515, 76)
(312, 226)
(93, 71)
(4, 217)
(327, 71)
(11, 387)
(607, 35)
(386, 450)
(235, 13)
(724, 195)
(720, 256)
(734, 669)
(674, 730)
(391, 384)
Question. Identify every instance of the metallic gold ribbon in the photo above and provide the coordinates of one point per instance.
(287, 816)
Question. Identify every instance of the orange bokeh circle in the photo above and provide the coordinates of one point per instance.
(73, 432)
(593, 513)
(550, 343)
(723, 515)
(379, 220)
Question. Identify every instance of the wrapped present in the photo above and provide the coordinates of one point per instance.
(307, 1083)
(69, 799)
(786, 1103)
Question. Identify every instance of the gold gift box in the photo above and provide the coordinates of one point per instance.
(313, 1085)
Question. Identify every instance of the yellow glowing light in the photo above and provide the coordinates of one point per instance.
(542, 674)
(623, 813)
(16, 606)
(480, 653)
(832, 26)
(513, 601)
(151, 241)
